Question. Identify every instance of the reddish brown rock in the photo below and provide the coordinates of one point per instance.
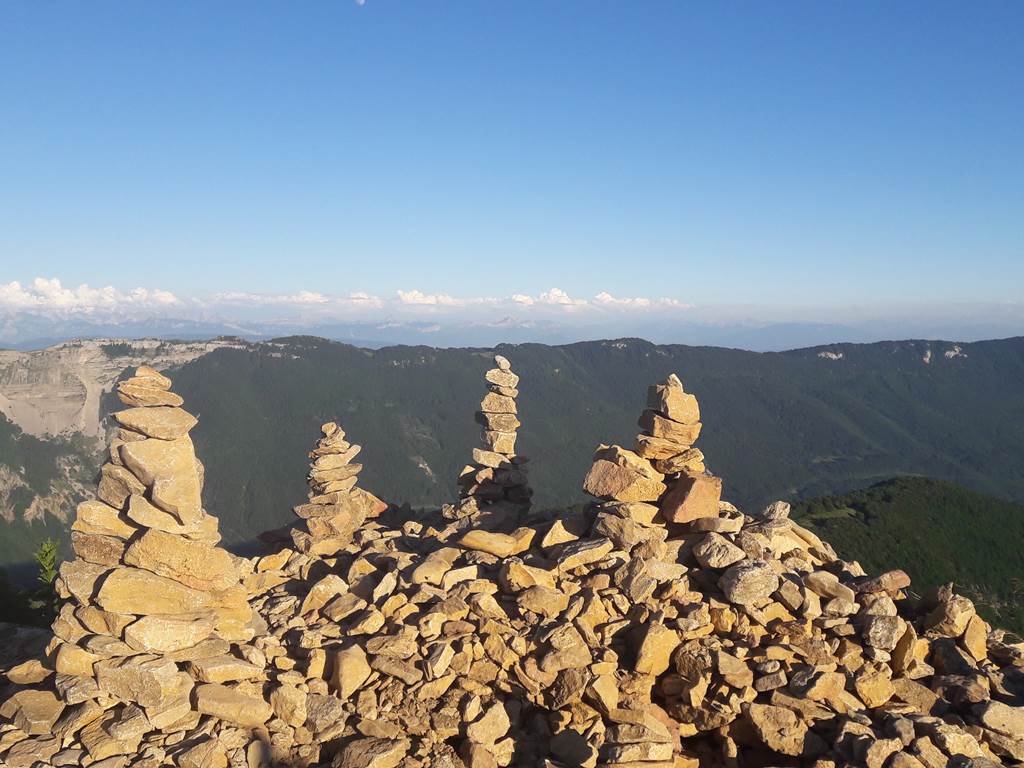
(692, 497)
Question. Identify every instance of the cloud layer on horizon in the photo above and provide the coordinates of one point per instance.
(48, 296)
(46, 309)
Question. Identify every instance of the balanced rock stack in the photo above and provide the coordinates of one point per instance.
(336, 508)
(671, 426)
(611, 637)
(663, 465)
(615, 638)
(154, 610)
(497, 477)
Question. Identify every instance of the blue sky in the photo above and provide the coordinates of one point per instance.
(799, 154)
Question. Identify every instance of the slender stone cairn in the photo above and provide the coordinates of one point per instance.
(497, 477)
(607, 637)
(663, 465)
(336, 508)
(155, 613)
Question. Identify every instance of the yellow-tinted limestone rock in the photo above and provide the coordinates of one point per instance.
(619, 474)
(658, 627)
(161, 421)
(496, 483)
(148, 590)
(167, 468)
(336, 508)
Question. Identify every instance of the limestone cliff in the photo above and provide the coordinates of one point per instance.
(57, 390)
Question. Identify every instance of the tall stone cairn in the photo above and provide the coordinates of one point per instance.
(636, 632)
(155, 612)
(336, 508)
(663, 465)
(497, 477)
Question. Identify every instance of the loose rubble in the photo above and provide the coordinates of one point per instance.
(660, 627)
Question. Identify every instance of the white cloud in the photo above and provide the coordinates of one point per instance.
(674, 304)
(242, 297)
(363, 299)
(417, 298)
(421, 299)
(561, 298)
(605, 299)
(304, 300)
(14, 296)
(49, 294)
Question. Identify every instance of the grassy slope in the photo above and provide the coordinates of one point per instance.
(936, 531)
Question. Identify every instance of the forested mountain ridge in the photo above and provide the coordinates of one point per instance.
(41, 482)
(779, 425)
(936, 531)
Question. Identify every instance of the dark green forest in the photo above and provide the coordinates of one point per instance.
(31, 468)
(791, 425)
(937, 532)
(778, 425)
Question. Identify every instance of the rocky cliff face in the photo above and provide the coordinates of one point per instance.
(660, 627)
(57, 390)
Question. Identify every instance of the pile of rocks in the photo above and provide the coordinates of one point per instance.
(156, 619)
(653, 629)
(663, 465)
(336, 508)
(496, 480)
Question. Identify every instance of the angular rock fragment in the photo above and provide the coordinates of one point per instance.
(231, 705)
(749, 582)
(691, 498)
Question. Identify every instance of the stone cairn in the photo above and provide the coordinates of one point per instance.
(336, 508)
(664, 465)
(656, 628)
(496, 480)
(156, 619)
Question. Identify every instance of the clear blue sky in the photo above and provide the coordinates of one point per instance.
(752, 152)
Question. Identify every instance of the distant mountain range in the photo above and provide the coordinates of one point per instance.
(23, 330)
(792, 425)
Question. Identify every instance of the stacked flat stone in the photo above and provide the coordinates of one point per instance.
(608, 637)
(671, 426)
(155, 614)
(336, 508)
(663, 465)
(497, 476)
(604, 637)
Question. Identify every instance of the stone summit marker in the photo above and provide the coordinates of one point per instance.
(659, 627)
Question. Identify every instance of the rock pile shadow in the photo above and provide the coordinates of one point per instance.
(659, 627)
